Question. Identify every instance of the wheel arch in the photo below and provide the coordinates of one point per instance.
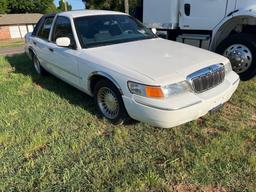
(31, 52)
(96, 76)
(232, 25)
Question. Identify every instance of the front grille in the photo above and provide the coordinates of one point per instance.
(207, 78)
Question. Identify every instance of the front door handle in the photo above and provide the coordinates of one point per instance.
(50, 49)
(34, 43)
(187, 9)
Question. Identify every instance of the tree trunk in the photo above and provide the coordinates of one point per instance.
(126, 6)
(65, 5)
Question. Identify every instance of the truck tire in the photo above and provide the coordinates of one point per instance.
(241, 51)
(110, 103)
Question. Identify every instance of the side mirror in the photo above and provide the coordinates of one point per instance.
(154, 30)
(63, 42)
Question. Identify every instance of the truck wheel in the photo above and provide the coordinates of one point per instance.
(39, 69)
(241, 51)
(109, 102)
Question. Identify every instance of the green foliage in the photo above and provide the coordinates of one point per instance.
(106, 4)
(116, 5)
(21, 6)
(11, 43)
(3, 6)
(51, 139)
(61, 6)
(51, 8)
(31, 6)
(45, 6)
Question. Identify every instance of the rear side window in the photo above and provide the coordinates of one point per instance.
(62, 28)
(37, 27)
(44, 31)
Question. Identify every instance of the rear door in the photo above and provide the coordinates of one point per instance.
(202, 14)
(40, 41)
(63, 61)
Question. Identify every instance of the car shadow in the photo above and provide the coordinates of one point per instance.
(23, 65)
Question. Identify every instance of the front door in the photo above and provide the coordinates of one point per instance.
(202, 14)
(63, 59)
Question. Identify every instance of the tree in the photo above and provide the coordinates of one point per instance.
(31, 6)
(3, 6)
(132, 7)
(45, 6)
(126, 6)
(51, 8)
(21, 6)
(64, 6)
(117, 5)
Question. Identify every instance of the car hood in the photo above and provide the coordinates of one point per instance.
(157, 59)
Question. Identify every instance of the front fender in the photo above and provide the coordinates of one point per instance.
(223, 29)
(107, 76)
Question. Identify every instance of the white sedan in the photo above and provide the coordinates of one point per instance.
(130, 72)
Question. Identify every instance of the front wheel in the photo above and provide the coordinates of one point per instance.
(109, 102)
(240, 49)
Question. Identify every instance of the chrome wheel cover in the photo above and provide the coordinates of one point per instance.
(108, 103)
(37, 65)
(240, 57)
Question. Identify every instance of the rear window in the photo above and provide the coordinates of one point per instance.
(45, 28)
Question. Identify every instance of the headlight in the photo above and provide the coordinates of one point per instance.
(157, 91)
(176, 89)
(228, 67)
(145, 90)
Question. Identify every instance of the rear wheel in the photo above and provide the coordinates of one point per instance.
(39, 69)
(241, 51)
(109, 102)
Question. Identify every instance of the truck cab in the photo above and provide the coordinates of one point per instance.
(227, 27)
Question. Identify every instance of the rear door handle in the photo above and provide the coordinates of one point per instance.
(51, 49)
(34, 43)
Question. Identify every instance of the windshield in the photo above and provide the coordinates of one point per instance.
(103, 30)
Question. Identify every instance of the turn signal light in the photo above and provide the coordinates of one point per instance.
(155, 92)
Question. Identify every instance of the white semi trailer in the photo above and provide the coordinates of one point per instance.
(227, 27)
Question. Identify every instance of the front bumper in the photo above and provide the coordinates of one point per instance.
(176, 111)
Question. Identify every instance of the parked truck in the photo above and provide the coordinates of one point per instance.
(227, 27)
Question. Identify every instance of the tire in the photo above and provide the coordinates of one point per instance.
(241, 50)
(39, 69)
(109, 102)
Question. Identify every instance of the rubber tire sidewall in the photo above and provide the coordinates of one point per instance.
(247, 40)
(43, 71)
(122, 116)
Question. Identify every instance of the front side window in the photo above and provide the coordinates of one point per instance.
(103, 30)
(44, 31)
(62, 28)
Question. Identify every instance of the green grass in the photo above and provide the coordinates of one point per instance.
(52, 139)
(11, 43)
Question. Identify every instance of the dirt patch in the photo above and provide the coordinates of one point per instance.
(38, 87)
(186, 188)
(211, 131)
(230, 109)
(36, 152)
(213, 189)
(201, 121)
(252, 121)
(254, 118)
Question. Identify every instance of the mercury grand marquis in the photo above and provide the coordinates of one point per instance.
(128, 70)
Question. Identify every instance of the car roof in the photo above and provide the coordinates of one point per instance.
(82, 13)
